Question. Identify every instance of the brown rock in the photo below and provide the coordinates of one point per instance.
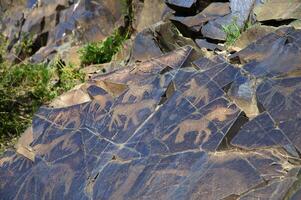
(278, 10)
(253, 34)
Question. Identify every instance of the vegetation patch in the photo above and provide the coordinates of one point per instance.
(24, 88)
(232, 31)
(23, 48)
(103, 51)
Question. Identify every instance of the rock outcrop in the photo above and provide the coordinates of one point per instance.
(56, 24)
(183, 118)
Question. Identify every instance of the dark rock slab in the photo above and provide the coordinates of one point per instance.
(159, 129)
(240, 11)
(183, 6)
(281, 188)
(156, 40)
(243, 92)
(291, 128)
(243, 171)
(151, 177)
(145, 46)
(181, 3)
(280, 98)
(253, 34)
(260, 132)
(219, 70)
(191, 26)
(273, 55)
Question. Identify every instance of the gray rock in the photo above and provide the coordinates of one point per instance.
(191, 26)
(181, 3)
(240, 11)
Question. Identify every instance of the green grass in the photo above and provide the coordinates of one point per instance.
(23, 48)
(232, 31)
(103, 51)
(24, 88)
(3, 45)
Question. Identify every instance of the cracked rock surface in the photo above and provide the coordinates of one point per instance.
(162, 129)
(175, 123)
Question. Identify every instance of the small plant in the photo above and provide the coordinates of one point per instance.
(3, 45)
(68, 75)
(24, 47)
(248, 25)
(102, 52)
(232, 31)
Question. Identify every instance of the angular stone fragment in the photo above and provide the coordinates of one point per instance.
(218, 69)
(183, 6)
(278, 10)
(273, 55)
(155, 40)
(260, 132)
(147, 13)
(192, 25)
(291, 129)
(181, 3)
(145, 46)
(240, 11)
(280, 98)
(242, 92)
(253, 34)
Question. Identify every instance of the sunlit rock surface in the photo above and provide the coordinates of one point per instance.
(174, 123)
(165, 128)
(278, 10)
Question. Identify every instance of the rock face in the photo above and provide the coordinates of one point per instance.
(164, 130)
(193, 25)
(173, 124)
(57, 22)
(278, 10)
(147, 13)
(252, 34)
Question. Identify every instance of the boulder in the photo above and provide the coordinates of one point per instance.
(156, 40)
(278, 10)
(183, 6)
(147, 13)
(253, 34)
(240, 12)
(191, 26)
